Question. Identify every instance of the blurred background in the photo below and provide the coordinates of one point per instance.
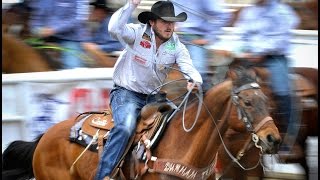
(37, 93)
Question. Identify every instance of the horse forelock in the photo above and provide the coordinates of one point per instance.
(244, 77)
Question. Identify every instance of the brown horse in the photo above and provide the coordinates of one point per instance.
(306, 86)
(18, 15)
(308, 126)
(186, 147)
(18, 57)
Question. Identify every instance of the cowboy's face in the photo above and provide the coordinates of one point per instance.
(163, 29)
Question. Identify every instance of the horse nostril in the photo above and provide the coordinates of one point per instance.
(272, 139)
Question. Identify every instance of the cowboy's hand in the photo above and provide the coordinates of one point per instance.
(193, 87)
(89, 46)
(46, 32)
(135, 2)
(200, 41)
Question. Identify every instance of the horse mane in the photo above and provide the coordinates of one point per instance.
(17, 159)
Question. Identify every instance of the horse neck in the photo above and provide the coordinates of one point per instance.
(20, 57)
(203, 136)
(217, 97)
(219, 104)
(12, 43)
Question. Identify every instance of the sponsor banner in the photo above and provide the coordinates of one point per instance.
(50, 103)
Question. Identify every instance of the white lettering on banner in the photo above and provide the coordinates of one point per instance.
(181, 170)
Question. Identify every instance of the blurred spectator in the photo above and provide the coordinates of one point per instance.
(204, 23)
(102, 43)
(265, 41)
(62, 22)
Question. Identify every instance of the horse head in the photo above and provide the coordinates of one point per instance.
(252, 111)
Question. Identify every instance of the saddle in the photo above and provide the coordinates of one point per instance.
(92, 130)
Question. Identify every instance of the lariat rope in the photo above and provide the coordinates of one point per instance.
(40, 44)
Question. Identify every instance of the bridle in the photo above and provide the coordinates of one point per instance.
(242, 114)
(247, 120)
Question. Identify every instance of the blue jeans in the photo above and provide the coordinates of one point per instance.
(279, 74)
(199, 56)
(126, 106)
(280, 85)
(70, 58)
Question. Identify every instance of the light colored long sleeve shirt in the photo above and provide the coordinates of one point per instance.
(141, 67)
(205, 17)
(266, 29)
